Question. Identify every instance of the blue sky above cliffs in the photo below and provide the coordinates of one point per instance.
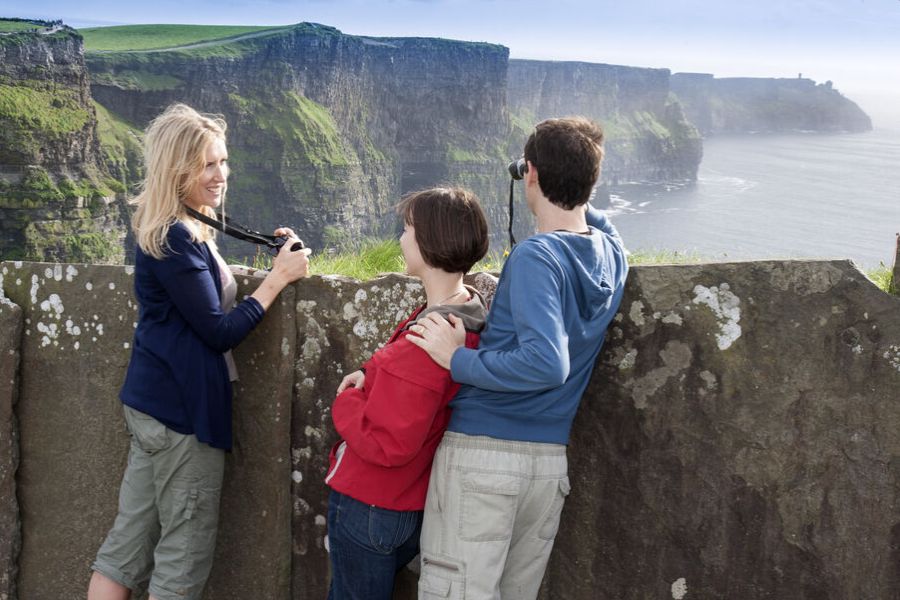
(854, 43)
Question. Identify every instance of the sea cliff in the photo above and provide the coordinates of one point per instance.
(327, 131)
(57, 198)
(648, 137)
(738, 105)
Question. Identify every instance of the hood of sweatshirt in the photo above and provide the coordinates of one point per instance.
(594, 264)
(473, 312)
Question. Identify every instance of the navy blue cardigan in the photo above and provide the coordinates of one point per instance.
(177, 372)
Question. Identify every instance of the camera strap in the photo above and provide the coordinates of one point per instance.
(235, 230)
(512, 239)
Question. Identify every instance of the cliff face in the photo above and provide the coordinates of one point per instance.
(327, 131)
(751, 105)
(56, 196)
(648, 137)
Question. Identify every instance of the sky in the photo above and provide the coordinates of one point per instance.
(853, 43)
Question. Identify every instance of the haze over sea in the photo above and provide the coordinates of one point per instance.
(775, 196)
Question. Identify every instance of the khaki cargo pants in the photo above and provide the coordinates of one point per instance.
(491, 517)
(165, 530)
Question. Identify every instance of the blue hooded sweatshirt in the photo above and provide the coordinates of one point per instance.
(557, 294)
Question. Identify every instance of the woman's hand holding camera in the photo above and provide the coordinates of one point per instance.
(287, 267)
(292, 265)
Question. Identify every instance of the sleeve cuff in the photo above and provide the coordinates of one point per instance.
(460, 364)
(253, 309)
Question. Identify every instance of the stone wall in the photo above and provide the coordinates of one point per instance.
(739, 437)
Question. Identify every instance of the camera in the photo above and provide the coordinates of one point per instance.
(517, 168)
(280, 241)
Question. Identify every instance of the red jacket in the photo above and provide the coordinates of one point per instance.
(391, 427)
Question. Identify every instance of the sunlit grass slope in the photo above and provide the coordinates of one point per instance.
(122, 38)
(7, 26)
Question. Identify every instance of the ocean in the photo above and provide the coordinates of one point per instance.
(775, 196)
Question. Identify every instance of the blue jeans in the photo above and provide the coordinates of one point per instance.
(368, 546)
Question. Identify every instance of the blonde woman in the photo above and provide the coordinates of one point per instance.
(177, 392)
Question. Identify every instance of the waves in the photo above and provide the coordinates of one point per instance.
(809, 196)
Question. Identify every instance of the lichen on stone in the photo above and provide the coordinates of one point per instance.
(726, 308)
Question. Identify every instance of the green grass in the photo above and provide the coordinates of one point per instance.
(880, 276)
(130, 79)
(377, 257)
(7, 26)
(371, 259)
(153, 37)
(40, 106)
(665, 257)
(883, 278)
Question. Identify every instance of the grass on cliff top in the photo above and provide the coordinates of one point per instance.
(376, 257)
(154, 37)
(8, 25)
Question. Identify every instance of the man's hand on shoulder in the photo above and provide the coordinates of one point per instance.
(439, 337)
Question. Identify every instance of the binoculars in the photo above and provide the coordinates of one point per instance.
(517, 168)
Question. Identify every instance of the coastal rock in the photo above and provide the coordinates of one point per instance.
(766, 105)
(648, 138)
(57, 198)
(326, 130)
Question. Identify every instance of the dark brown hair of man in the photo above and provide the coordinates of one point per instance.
(567, 153)
(451, 228)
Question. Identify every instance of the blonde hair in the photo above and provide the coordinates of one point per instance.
(175, 147)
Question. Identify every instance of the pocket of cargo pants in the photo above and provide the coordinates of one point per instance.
(147, 433)
(442, 578)
(551, 522)
(487, 506)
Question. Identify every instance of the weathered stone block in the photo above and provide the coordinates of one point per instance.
(340, 323)
(10, 535)
(740, 439)
(78, 328)
(740, 436)
(78, 331)
(253, 550)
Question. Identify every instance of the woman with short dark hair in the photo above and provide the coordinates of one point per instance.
(392, 413)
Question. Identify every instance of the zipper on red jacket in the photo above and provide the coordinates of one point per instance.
(338, 457)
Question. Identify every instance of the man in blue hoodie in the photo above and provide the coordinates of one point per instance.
(499, 478)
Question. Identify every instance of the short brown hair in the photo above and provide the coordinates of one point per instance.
(567, 153)
(451, 229)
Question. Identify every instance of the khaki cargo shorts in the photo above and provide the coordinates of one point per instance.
(165, 531)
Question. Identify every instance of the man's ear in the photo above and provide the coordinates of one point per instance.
(531, 174)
